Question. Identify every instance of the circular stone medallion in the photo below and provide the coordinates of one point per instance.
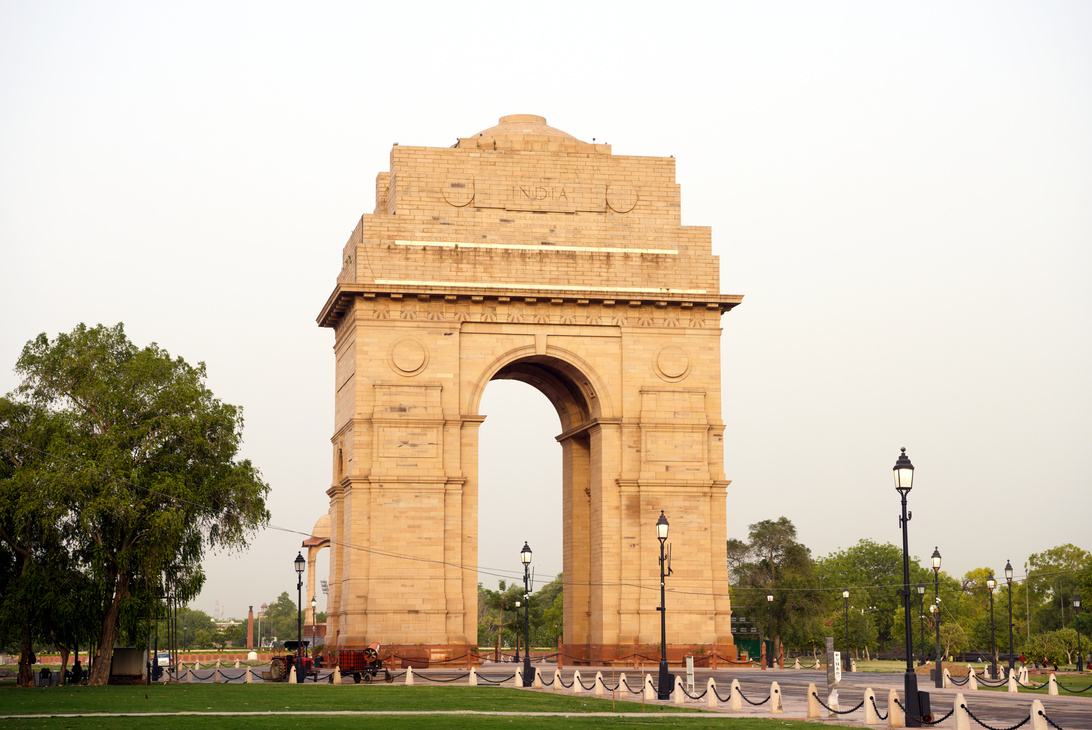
(672, 363)
(621, 198)
(408, 357)
(458, 193)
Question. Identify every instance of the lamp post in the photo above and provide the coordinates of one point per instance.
(525, 557)
(300, 564)
(1080, 657)
(904, 482)
(314, 665)
(939, 679)
(921, 618)
(770, 653)
(518, 604)
(845, 661)
(665, 683)
(991, 584)
(1008, 579)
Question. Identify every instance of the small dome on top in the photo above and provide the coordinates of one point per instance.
(524, 125)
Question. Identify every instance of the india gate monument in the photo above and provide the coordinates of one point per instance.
(523, 253)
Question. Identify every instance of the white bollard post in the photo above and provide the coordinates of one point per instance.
(249, 676)
(600, 690)
(537, 681)
(894, 712)
(796, 664)
(650, 691)
(216, 676)
(737, 698)
(1012, 683)
(1038, 721)
(557, 681)
(292, 676)
(677, 695)
(962, 719)
(1053, 685)
(813, 702)
(711, 694)
(189, 675)
(409, 676)
(972, 678)
(236, 663)
(517, 678)
(832, 703)
(473, 677)
(197, 666)
(218, 664)
(777, 702)
(870, 715)
(337, 674)
(577, 688)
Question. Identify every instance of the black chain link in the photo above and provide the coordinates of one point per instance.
(956, 682)
(838, 712)
(631, 690)
(608, 688)
(586, 687)
(1073, 691)
(756, 704)
(702, 695)
(1049, 721)
(1023, 722)
(991, 683)
(427, 678)
(1034, 686)
(499, 681)
(722, 699)
(877, 709)
(548, 684)
(923, 721)
(562, 681)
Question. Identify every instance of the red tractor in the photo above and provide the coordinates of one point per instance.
(281, 666)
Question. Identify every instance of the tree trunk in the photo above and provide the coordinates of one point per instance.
(26, 674)
(100, 671)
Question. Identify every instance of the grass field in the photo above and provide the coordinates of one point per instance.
(200, 701)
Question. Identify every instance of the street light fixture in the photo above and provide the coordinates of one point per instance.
(1080, 657)
(845, 597)
(769, 606)
(517, 631)
(991, 584)
(300, 564)
(921, 618)
(939, 679)
(666, 682)
(904, 482)
(1008, 579)
(525, 558)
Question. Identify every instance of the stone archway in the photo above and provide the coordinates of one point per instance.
(523, 253)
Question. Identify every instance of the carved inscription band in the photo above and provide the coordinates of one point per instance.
(572, 196)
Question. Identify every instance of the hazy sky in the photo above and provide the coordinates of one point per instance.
(902, 192)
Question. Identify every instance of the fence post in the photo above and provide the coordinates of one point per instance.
(972, 678)
(409, 676)
(337, 674)
(777, 704)
(473, 677)
(517, 678)
(1012, 683)
(650, 691)
(249, 676)
(711, 693)
(870, 715)
(1053, 690)
(292, 675)
(677, 695)
(577, 688)
(557, 680)
(962, 719)
(537, 681)
(813, 702)
(599, 688)
(946, 678)
(1038, 722)
(894, 712)
(736, 699)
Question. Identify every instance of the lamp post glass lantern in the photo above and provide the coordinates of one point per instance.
(1077, 613)
(528, 676)
(904, 482)
(314, 605)
(300, 564)
(665, 684)
(770, 654)
(921, 619)
(845, 598)
(935, 610)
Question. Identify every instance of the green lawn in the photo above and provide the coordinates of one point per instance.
(203, 699)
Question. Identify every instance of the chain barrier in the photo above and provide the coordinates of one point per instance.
(499, 681)
(586, 687)
(229, 679)
(442, 680)
(1023, 722)
(877, 709)
(544, 682)
(1073, 691)
(722, 699)
(838, 712)
(740, 662)
(608, 688)
(693, 697)
(1050, 722)
(957, 683)
(923, 721)
(992, 683)
(1033, 685)
(631, 690)
(561, 680)
(193, 673)
(756, 704)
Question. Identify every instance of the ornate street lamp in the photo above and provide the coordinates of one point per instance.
(769, 606)
(921, 618)
(939, 679)
(1008, 579)
(518, 604)
(314, 664)
(300, 564)
(525, 558)
(904, 482)
(1080, 657)
(845, 597)
(991, 584)
(666, 682)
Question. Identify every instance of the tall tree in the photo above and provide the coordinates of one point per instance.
(145, 460)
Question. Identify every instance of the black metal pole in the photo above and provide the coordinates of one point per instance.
(1012, 659)
(528, 677)
(663, 692)
(1080, 657)
(936, 603)
(910, 679)
(770, 653)
(299, 627)
(845, 661)
(921, 621)
(993, 639)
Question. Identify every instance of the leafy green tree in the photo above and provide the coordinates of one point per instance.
(281, 619)
(196, 629)
(1056, 576)
(140, 471)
